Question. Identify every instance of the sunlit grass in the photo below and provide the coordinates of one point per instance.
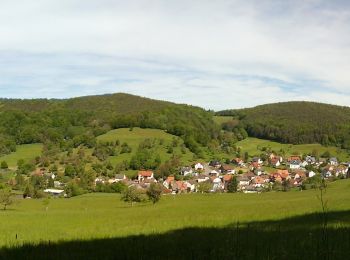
(104, 215)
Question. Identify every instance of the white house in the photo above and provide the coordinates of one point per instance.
(54, 192)
(294, 165)
(311, 174)
(202, 178)
(145, 175)
(199, 167)
(185, 171)
(333, 161)
(217, 184)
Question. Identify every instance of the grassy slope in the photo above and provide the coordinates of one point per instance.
(222, 119)
(250, 145)
(137, 135)
(104, 215)
(26, 152)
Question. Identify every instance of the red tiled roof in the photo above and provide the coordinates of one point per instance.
(227, 177)
(145, 173)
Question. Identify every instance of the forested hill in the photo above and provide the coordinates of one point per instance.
(296, 122)
(81, 119)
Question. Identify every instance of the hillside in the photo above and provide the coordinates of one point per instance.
(83, 118)
(296, 122)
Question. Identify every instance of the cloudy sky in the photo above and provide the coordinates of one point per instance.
(215, 54)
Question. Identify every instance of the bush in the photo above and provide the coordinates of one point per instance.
(4, 165)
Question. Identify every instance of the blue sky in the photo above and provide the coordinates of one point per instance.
(215, 54)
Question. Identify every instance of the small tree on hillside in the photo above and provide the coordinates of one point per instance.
(5, 198)
(285, 185)
(246, 156)
(204, 187)
(4, 165)
(154, 192)
(232, 186)
(131, 195)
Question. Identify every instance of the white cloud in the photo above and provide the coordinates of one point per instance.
(197, 48)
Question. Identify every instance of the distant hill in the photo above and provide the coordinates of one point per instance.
(296, 122)
(41, 120)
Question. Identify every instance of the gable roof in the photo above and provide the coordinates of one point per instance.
(145, 173)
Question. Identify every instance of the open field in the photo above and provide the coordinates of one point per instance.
(26, 152)
(251, 146)
(137, 135)
(222, 119)
(104, 216)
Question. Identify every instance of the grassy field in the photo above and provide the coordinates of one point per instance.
(222, 119)
(94, 216)
(26, 152)
(252, 146)
(137, 135)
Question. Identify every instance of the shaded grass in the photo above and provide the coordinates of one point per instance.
(290, 238)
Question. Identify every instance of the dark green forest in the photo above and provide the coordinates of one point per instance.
(295, 122)
(77, 121)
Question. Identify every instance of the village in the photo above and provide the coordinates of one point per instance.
(253, 176)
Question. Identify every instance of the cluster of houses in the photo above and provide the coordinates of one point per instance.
(251, 177)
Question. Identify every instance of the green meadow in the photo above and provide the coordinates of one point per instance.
(138, 135)
(26, 152)
(254, 145)
(94, 216)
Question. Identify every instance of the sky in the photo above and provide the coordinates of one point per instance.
(215, 54)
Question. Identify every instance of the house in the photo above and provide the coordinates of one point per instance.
(202, 178)
(191, 186)
(227, 169)
(227, 178)
(294, 164)
(117, 178)
(258, 181)
(275, 162)
(257, 160)
(58, 184)
(311, 174)
(199, 167)
(243, 180)
(333, 161)
(299, 175)
(341, 171)
(99, 180)
(255, 165)
(169, 180)
(258, 171)
(310, 160)
(250, 189)
(327, 172)
(294, 158)
(238, 161)
(217, 183)
(144, 175)
(55, 192)
(215, 164)
(284, 174)
(185, 171)
(214, 173)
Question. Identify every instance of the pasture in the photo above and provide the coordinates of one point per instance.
(138, 135)
(27, 152)
(254, 145)
(105, 219)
